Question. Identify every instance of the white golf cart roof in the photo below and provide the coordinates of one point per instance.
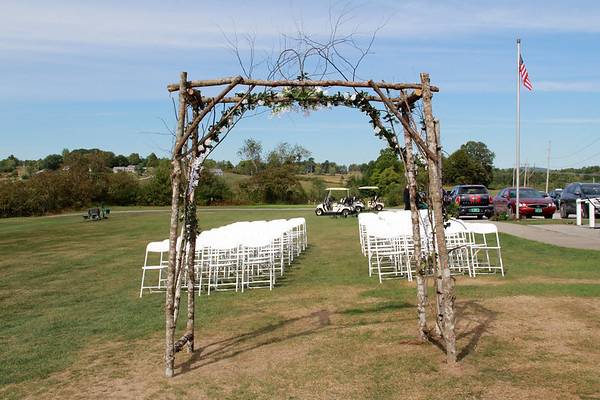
(338, 189)
(369, 187)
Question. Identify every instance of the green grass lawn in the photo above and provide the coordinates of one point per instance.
(74, 327)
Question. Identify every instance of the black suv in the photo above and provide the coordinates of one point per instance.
(576, 191)
(471, 200)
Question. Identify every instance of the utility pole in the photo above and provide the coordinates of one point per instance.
(513, 175)
(548, 166)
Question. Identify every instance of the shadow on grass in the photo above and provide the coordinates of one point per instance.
(473, 321)
(278, 332)
(255, 339)
(380, 307)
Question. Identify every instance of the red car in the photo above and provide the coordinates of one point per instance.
(531, 202)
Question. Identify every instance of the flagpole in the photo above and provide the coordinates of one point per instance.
(518, 132)
(548, 167)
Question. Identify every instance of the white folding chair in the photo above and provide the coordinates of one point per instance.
(385, 247)
(459, 247)
(481, 248)
(223, 263)
(364, 219)
(160, 248)
(258, 261)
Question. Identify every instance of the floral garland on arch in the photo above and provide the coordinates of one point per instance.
(307, 99)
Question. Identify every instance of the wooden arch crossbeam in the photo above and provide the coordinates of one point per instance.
(173, 87)
(206, 104)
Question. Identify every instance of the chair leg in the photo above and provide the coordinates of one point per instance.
(144, 273)
(142, 285)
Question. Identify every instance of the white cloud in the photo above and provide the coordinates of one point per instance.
(567, 121)
(567, 86)
(42, 25)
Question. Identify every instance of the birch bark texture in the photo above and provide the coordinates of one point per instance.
(435, 192)
(411, 178)
(174, 228)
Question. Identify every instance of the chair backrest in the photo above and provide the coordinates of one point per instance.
(482, 228)
(158, 247)
(381, 231)
(367, 217)
(298, 220)
(456, 226)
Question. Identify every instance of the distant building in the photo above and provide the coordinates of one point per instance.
(216, 171)
(129, 168)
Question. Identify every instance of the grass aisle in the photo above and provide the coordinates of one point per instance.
(73, 326)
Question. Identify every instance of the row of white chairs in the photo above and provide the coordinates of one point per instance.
(239, 256)
(386, 239)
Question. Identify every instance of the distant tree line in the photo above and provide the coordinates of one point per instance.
(80, 178)
(285, 174)
(536, 177)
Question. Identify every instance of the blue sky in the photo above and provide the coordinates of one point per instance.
(93, 74)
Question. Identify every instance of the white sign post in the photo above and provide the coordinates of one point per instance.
(593, 205)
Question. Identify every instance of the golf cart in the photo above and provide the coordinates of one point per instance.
(330, 206)
(373, 202)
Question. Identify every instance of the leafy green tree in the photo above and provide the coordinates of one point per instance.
(122, 189)
(51, 162)
(251, 151)
(394, 195)
(275, 185)
(158, 190)
(286, 154)
(317, 190)
(134, 159)
(389, 176)
(385, 171)
(473, 163)
(225, 165)
(9, 164)
(120, 161)
(151, 160)
(245, 167)
(210, 164)
(212, 189)
(310, 166)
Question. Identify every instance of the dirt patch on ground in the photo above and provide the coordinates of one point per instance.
(568, 281)
(511, 348)
(480, 280)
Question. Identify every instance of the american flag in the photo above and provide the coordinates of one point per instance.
(524, 74)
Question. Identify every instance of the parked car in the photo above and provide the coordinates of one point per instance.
(576, 191)
(555, 194)
(531, 202)
(472, 200)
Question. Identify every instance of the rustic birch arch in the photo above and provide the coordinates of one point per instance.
(192, 146)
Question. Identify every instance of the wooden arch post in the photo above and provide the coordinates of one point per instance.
(445, 281)
(174, 228)
(432, 150)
